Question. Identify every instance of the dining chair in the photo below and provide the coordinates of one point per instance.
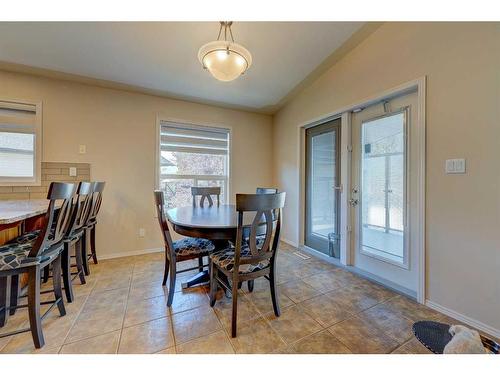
(205, 193)
(33, 256)
(185, 249)
(90, 225)
(249, 260)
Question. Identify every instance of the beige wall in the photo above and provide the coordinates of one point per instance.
(119, 130)
(462, 65)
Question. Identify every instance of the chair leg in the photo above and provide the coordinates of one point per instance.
(234, 296)
(165, 271)
(250, 285)
(80, 267)
(83, 251)
(171, 287)
(14, 293)
(46, 274)
(56, 279)
(200, 264)
(213, 282)
(274, 294)
(66, 272)
(4, 298)
(34, 306)
(92, 244)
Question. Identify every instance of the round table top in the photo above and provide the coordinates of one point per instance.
(216, 217)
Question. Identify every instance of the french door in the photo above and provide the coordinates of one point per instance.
(323, 188)
(383, 171)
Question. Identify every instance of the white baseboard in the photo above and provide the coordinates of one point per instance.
(470, 321)
(291, 243)
(131, 253)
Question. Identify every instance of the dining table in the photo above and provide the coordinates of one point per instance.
(217, 223)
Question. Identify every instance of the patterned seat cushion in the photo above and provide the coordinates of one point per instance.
(29, 237)
(193, 246)
(15, 255)
(225, 259)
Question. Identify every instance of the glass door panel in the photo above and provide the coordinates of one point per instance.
(322, 192)
(383, 187)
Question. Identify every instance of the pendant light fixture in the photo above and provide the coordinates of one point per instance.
(223, 58)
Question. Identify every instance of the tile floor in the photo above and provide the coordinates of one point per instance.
(325, 309)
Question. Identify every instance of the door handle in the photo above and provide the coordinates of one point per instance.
(339, 188)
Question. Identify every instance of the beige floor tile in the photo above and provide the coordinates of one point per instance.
(324, 281)
(412, 346)
(141, 311)
(298, 291)
(104, 344)
(113, 282)
(106, 299)
(214, 343)
(96, 322)
(170, 350)
(149, 337)
(263, 302)
(194, 323)
(411, 309)
(393, 325)
(189, 299)
(146, 278)
(353, 300)
(246, 310)
(146, 291)
(325, 310)
(256, 336)
(320, 343)
(361, 337)
(293, 324)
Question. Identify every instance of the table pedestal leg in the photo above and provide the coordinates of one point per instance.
(199, 278)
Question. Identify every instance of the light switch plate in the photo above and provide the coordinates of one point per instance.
(72, 171)
(455, 166)
(82, 149)
(142, 232)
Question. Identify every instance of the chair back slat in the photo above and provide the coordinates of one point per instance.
(82, 204)
(205, 193)
(162, 220)
(50, 234)
(97, 188)
(267, 208)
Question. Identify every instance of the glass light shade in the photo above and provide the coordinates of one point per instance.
(226, 61)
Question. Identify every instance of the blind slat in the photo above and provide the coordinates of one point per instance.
(182, 141)
(193, 150)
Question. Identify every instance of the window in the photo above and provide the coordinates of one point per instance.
(20, 143)
(192, 156)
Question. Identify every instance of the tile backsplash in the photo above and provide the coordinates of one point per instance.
(51, 172)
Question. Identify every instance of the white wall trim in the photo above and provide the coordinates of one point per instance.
(288, 242)
(131, 253)
(464, 318)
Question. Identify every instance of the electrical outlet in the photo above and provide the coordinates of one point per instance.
(142, 232)
(72, 171)
(82, 149)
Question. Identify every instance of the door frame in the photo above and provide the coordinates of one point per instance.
(344, 113)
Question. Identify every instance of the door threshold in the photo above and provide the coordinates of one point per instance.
(361, 273)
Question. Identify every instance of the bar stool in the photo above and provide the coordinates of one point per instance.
(90, 225)
(32, 257)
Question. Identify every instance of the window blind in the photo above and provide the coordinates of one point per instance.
(198, 140)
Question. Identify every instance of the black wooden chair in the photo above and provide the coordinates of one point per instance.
(249, 260)
(205, 193)
(90, 226)
(187, 248)
(33, 256)
(75, 238)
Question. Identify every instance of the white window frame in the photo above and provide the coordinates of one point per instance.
(196, 178)
(37, 153)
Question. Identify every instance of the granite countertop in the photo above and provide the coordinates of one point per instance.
(12, 211)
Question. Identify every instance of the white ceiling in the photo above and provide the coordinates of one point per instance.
(162, 56)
